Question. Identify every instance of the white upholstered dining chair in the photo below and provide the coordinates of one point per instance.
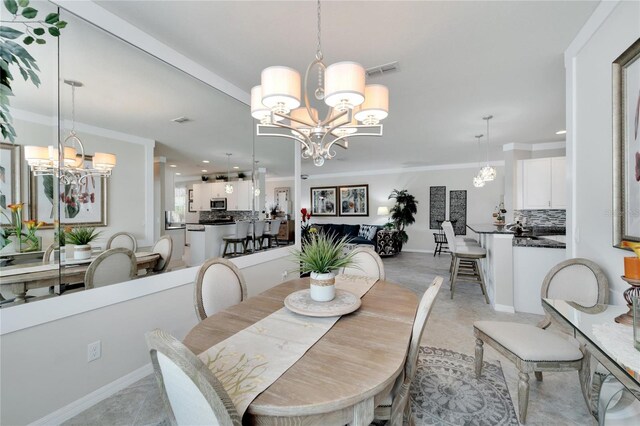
(191, 393)
(164, 247)
(111, 267)
(534, 349)
(396, 407)
(219, 284)
(366, 262)
(124, 240)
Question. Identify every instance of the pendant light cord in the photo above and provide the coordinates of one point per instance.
(73, 109)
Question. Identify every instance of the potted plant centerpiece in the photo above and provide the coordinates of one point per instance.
(81, 237)
(321, 255)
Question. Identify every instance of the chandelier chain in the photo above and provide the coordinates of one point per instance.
(319, 47)
(73, 109)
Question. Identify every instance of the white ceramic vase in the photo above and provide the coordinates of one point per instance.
(323, 287)
(82, 252)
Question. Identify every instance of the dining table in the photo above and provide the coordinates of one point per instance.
(344, 375)
(24, 277)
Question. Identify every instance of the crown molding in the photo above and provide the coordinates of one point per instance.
(534, 146)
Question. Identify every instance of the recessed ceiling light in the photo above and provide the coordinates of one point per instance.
(181, 120)
(561, 132)
(206, 161)
(172, 165)
(178, 174)
(236, 167)
(203, 171)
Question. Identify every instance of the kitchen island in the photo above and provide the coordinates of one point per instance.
(205, 241)
(516, 265)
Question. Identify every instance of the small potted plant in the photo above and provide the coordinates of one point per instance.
(323, 254)
(32, 241)
(81, 237)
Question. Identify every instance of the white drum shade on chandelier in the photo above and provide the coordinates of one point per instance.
(354, 108)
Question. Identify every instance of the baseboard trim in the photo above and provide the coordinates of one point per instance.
(504, 308)
(417, 251)
(78, 406)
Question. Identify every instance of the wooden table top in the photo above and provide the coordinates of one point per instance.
(65, 273)
(360, 356)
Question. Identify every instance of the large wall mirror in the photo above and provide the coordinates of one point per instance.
(177, 175)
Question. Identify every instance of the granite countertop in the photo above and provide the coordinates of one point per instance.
(529, 241)
(489, 228)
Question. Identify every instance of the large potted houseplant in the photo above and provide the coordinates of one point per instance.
(81, 237)
(402, 213)
(321, 255)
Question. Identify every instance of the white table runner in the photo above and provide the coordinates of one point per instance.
(617, 339)
(248, 362)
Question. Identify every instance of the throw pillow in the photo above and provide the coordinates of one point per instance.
(368, 231)
(351, 230)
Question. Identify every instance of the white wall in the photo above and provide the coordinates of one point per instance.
(272, 184)
(44, 368)
(480, 201)
(589, 138)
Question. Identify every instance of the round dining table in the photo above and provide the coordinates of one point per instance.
(344, 375)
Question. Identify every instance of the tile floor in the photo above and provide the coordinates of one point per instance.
(555, 401)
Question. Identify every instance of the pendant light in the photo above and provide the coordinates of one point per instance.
(228, 188)
(488, 173)
(478, 181)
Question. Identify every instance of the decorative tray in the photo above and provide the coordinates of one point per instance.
(301, 303)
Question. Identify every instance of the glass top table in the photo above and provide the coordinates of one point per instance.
(582, 321)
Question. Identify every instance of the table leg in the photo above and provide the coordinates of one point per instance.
(20, 290)
(363, 413)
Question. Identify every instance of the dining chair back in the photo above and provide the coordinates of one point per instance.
(398, 410)
(450, 234)
(366, 263)
(164, 247)
(191, 393)
(123, 239)
(274, 230)
(111, 267)
(219, 284)
(578, 280)
(48, 255)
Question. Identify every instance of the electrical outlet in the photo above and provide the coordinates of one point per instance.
(94, 351)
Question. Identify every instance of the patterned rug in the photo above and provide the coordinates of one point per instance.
(446, 392)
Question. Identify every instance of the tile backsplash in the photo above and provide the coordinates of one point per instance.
(546, 217)
(236, 214)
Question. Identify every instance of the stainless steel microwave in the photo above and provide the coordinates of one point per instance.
(218, 204)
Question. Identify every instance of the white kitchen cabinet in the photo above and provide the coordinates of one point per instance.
(240, 198)
(558, 183)
(541, 183)
(202, 194)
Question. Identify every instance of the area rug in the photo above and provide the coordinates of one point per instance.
(446, 392)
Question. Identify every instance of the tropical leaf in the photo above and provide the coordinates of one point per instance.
(38, 31)
(9, 33)
(61, 24)
(29, 12)
(23, 3)
(41, 41)
(27, 40)
(52, 18)
(11, 6)
(47, 185)
(54, 31)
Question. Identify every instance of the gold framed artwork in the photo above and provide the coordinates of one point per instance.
(626, 145)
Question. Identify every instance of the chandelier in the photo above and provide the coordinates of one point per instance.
(478, 181)
(354, 109)
(66, 161)
(488, 173)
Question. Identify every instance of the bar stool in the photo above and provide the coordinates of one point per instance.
(240, 237)
(257, 236)
(272, 234)
(465, 261)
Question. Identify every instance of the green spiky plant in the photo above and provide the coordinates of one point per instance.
(402, 213)
(81, 236)
(14, 56)
(322, 254)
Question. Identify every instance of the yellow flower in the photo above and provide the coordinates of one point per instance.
(633, 246)
(16, 207)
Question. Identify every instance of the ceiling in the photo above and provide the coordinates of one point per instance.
(458, 61)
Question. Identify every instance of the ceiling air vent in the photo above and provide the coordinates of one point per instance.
(181, 120)
(381, 69)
